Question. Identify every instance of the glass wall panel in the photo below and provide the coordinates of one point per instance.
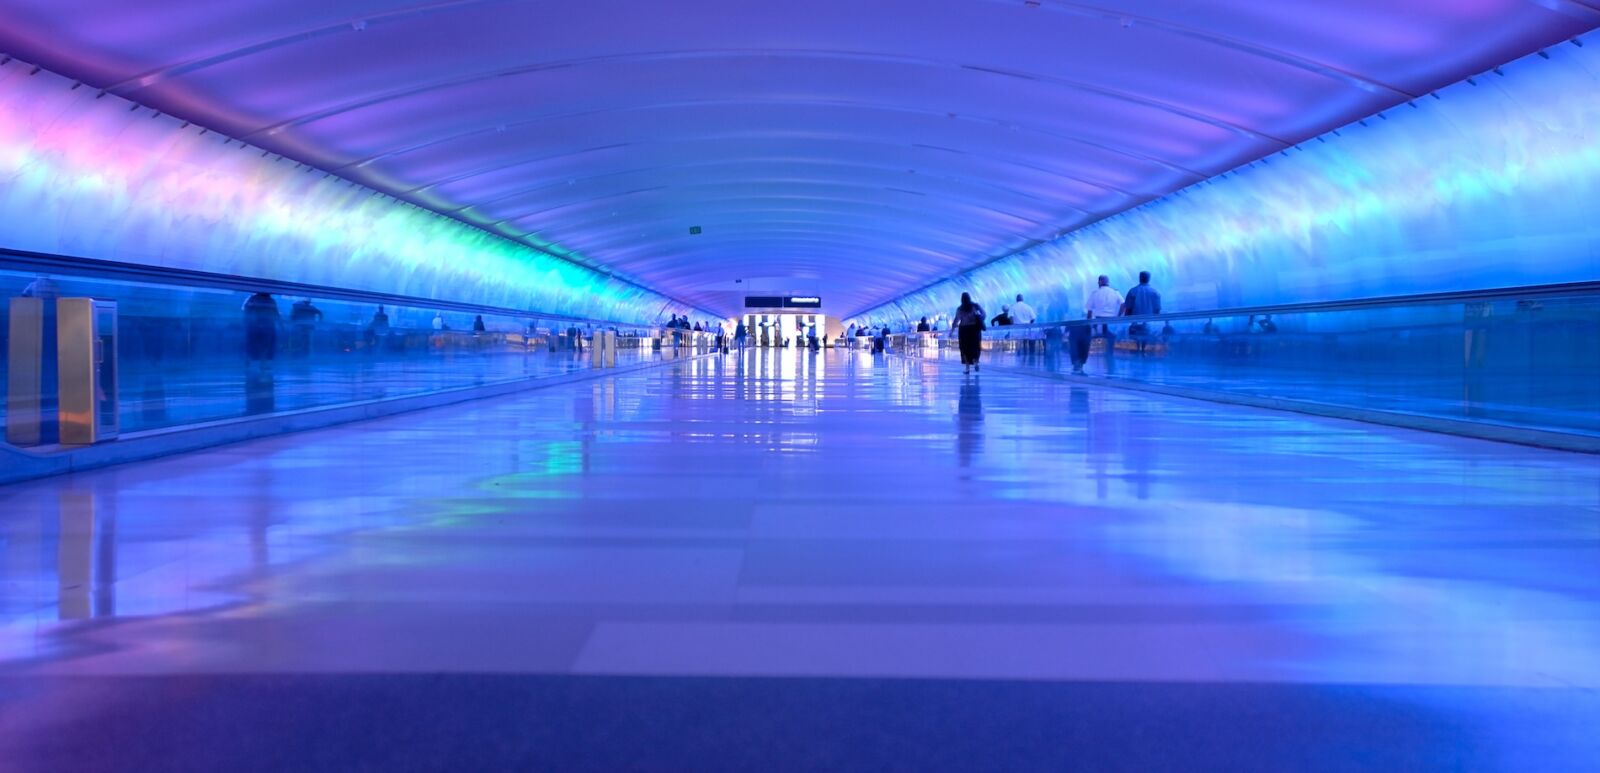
(194, 354)
(1530, 361)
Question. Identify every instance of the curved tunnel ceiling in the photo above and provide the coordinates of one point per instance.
(863, 149)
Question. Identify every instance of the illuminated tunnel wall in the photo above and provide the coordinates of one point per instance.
(95, 177)
(1492, 184)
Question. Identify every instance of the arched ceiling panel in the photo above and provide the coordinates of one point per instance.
(867, 147)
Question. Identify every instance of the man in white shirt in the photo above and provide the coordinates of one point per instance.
(1022, 313)
(1105, 303)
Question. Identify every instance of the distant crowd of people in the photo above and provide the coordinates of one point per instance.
(262, 325)
(680, 327)
(969, 321)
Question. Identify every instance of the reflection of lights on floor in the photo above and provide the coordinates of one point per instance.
(1004, 528)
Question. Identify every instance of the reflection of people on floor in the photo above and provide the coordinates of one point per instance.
(1078, 402)
(261, 330)
(259, 392)
(969, 422)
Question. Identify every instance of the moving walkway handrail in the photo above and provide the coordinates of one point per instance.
(69, 267)
(1354, 304)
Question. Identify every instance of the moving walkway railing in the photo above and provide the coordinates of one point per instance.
(1519, 356)
(189, 347)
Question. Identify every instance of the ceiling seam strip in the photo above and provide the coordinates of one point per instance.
(833, 244)
(651, 56)
(1077, 9)
(762, 235)
(789, 218)
(755, 136)
(868, 234)
(797, 182)
(349, 24)
(846, 104)
(1085, 10)
(566, 181)
(1002, 213)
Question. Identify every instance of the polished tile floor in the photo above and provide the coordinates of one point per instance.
(178, 393)
(781, 560)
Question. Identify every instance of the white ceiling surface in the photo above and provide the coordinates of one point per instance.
(861, 149)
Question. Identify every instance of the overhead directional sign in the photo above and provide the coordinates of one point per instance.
(782, 302)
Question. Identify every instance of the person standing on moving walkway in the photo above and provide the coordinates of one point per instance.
(1142, 301)
(1022, 313)
(1104, 303)
(969, 327)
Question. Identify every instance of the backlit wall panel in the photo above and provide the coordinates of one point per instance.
(1491, 184)
(91, 177)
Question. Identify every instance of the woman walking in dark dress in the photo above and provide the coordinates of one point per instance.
(969, 326)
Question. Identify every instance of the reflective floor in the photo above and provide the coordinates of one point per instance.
(178, 393)
(791, 561)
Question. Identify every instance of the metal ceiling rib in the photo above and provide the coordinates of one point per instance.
(362, 22)
(355, 23)
(746, 164)
(779, 202)
(882, 145)
(656, 57)
(1086, 10)
(812, 142)
(809, 103)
